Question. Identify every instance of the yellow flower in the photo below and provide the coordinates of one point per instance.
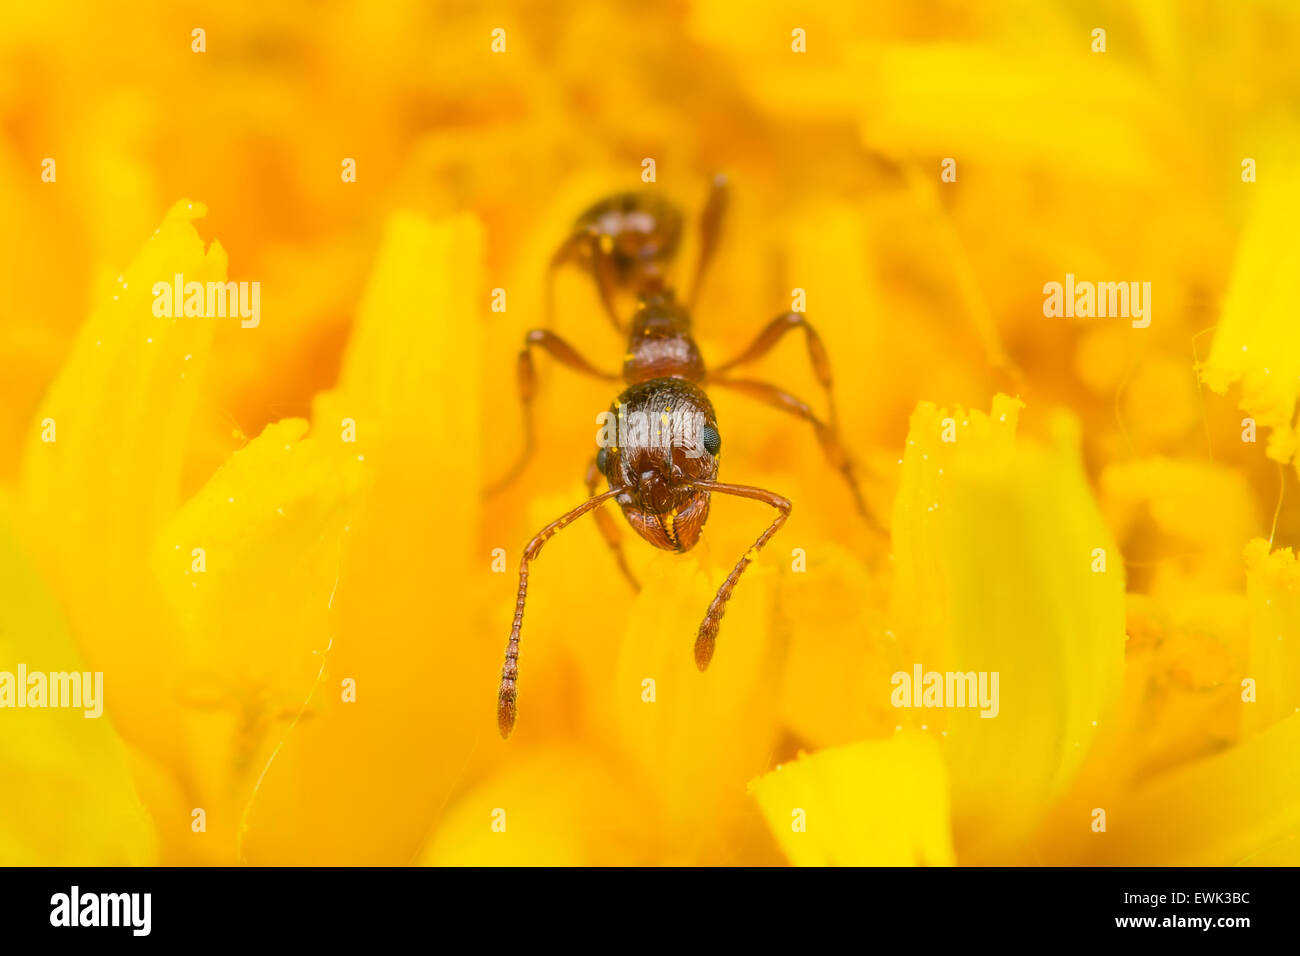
(273, 541)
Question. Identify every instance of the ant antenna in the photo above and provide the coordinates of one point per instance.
(508, 692)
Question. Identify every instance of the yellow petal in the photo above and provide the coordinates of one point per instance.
(1239, 806)
(877, 803)
(122, 404)
(995, 542)
(1181, 702)
(248, 568)
(1179, 493)
(554, 807)
(408, 624)
(96, 495)
(1188, 655)
(67, 798)
(1273, 589)
(1257, 343)
(698, 737)
(1191, 555)
(932, 99)
(841, 650)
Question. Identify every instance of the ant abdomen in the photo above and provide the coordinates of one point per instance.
(638, 231)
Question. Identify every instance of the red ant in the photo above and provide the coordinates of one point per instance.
(626, 242)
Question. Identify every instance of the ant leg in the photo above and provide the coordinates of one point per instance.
(773, 333)
(508, 692)
(710, 231)
(564, 352)
(827, 435)
(608, 528)
(602, 262)
(708, 633)
(598, 249)
(566, 254)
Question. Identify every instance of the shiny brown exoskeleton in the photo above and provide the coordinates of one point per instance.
(661, 459)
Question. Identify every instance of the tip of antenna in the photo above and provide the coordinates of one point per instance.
(704, 645)
(506, 713)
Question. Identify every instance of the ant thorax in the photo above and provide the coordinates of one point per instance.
(660, 344)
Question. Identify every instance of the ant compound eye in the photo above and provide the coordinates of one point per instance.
(712, 440)
(602, 460)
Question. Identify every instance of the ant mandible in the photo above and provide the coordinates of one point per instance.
(626, 243)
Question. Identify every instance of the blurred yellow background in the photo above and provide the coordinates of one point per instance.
(369, 564)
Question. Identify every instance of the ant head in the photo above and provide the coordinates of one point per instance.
(638, 231)
(666, 437)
